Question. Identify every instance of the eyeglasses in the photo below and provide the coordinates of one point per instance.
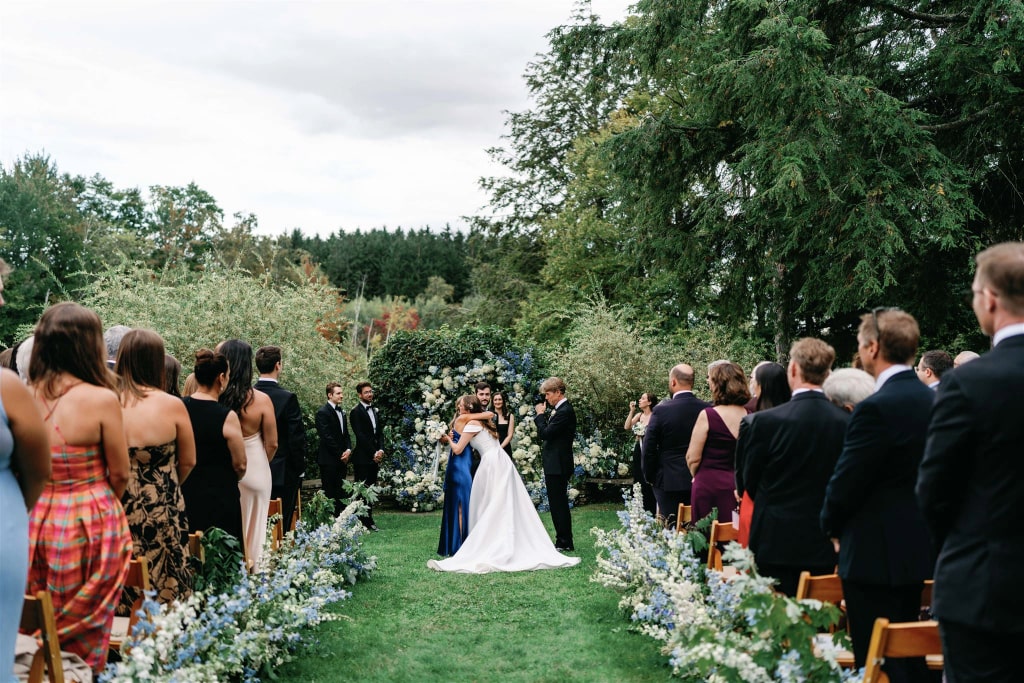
(874, 318)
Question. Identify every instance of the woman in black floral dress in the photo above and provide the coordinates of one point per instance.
(162, 450)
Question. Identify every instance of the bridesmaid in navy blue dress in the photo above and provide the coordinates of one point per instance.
(458, 483)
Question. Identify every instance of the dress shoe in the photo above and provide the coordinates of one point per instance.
(373, 527)
(564, 546)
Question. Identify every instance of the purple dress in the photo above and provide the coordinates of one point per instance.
(715, 481)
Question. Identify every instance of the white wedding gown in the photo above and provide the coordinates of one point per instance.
(505, 532)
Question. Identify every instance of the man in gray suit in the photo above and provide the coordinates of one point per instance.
(666, 440)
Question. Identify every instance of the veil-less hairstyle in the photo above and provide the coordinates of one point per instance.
(774, 385)
(209, 366)
(140, 364)
(238, 394)
(172, 375)
(473, 405)
(728, 384)
(69, 338)
(504, 404)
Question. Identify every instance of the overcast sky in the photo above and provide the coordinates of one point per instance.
(317, 115)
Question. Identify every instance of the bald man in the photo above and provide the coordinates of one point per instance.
(666, 440)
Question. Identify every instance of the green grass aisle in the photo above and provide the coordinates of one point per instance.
(411, 624)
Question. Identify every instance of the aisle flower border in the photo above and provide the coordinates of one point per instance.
(736, 630)
(408, 474)
(257, 627)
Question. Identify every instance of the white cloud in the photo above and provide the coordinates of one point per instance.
(319, 115)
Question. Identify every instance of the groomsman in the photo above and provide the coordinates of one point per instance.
(971, 484)
(368, 453)
(557, 429)
(335, 446)
(870, 511)
(289, 463)
(666, 441)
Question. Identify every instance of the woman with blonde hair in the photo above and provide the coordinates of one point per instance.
(79, 538)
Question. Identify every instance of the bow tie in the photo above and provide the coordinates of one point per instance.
(338, 408)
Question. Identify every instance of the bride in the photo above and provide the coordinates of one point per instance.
(505, 532)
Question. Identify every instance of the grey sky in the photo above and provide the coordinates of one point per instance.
(319, 115)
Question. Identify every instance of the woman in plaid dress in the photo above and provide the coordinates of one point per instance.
(79, 542)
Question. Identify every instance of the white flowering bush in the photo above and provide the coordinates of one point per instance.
(716, 630)
(240, 634)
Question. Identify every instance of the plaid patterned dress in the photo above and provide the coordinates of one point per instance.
(79, 546)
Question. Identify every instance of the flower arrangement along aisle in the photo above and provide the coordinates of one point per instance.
(256, 626)
(722, 631)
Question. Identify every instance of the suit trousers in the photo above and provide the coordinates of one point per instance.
(366, 473)
(974, 656)
(669, 501)
(558, 501)
(288, 492)
(865, 603)
(332, 475)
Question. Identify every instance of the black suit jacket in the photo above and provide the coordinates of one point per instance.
(663, 458)
(368, 439)
(333, 441)
(789, 453)
(971, 490)
(556, 428)
(290, 460)
(870, 504)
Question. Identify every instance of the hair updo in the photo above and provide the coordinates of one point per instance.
(209, 366)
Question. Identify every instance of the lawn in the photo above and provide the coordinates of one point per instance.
(411, 624)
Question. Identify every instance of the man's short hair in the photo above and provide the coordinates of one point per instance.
(267, 357)
(1001, 269)
(964, 357)
(848, 386)
(331, 386)
(552, 384)
(896, 331)
(682, 376)
(936, 361)
(361, 386)
(112, 338)
(814, 357)
(481, 385)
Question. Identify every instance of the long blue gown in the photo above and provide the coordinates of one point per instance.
(14, 536)
(458, 483)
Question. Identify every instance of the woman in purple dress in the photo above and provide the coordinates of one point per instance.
(712, 453)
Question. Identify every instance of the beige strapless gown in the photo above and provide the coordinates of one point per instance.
(255, 490)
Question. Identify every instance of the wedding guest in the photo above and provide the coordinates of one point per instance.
(964, 357)
(753, 387)
(789, 454)
(289, 463)
(847, 387)
(667, 440)
(24, 448)
(932, 366)
(191, 385)
(211, 491)
(368, 452)
(636, 422)
(79, 543)
(505, 421)
(172, 375)
(335, 448)
(112, 340)
(711, 454)
(255, 411)
(771, 385)
(557, 430)
(970, 485)
(22, 356)
(162, 452)
(7, 358)
(871, 491)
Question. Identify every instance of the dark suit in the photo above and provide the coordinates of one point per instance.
(664, 453)
(369, 440)
(884, 551)
(971, 492)
(334, 441)
(290, 460)
(789, 453)
(557, 430)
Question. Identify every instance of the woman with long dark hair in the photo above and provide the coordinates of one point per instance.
(636, 422)
(504, 421)
(162, 452)
(255, 411)
(78, 535)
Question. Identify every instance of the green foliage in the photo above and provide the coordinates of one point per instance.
(224, 563)
(318, 510)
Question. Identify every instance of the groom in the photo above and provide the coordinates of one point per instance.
(557, 430)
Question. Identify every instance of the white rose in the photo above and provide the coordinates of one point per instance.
(523, 410)
(623, 469)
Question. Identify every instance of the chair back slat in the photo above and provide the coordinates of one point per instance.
(721, 532)
(37, 615)
(899, 640)
(684, 516)
(825, 587)
(277, 534)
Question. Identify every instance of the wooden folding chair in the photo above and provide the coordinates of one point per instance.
(826, 588)
(277, 532)
(684, 516)
(720, 533)
(138, 577)
(37, 615)
(297, 512)
(895, 641)
(195, 546)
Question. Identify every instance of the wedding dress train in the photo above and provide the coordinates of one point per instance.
(505, 531)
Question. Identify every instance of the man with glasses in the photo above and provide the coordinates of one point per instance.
(971, 484)
(870, 511)
(932, 366)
